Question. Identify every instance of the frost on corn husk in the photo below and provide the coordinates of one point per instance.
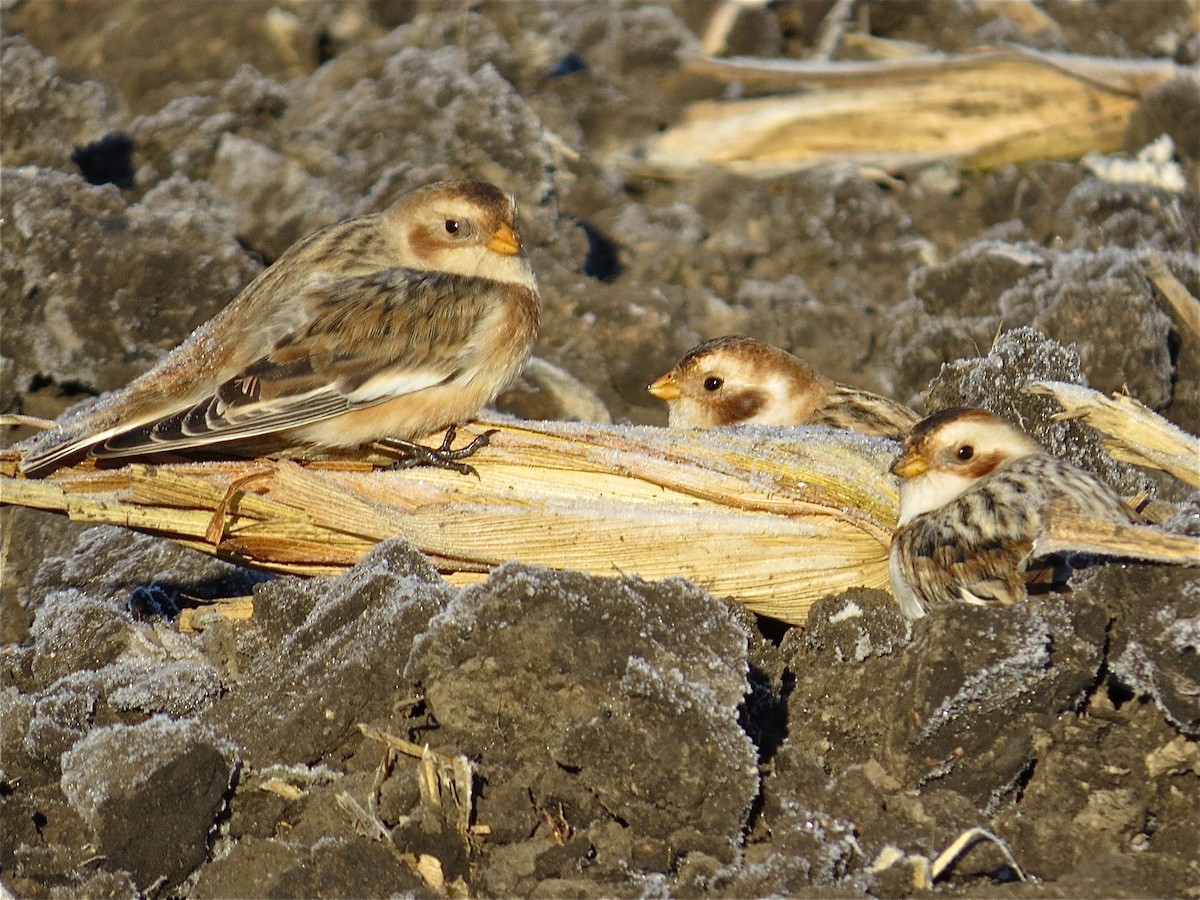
(774, 518)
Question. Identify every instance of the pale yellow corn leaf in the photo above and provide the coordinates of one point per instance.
(774, 518)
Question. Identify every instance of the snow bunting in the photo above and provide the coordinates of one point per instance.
(385, 327)
(738, 380)
(977, 495)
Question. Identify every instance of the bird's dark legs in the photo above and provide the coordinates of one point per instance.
(442, 457)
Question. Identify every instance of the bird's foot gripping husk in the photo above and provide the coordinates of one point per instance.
(443, 457)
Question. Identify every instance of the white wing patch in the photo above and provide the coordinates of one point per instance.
(396, 383)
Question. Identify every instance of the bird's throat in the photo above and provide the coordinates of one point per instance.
(930, 491)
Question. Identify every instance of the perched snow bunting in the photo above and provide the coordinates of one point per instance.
(384, 327)
(977, 497)
(738, 380)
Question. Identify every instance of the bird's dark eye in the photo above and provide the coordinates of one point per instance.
(965, 452)
(452, 226)
(712, 383)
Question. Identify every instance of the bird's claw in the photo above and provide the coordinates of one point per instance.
(443, 457)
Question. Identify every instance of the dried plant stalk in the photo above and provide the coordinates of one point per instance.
(773, 518)
(1123, 76)
(1183, 305)
(979, 110)
(198, 618)
(1069, 533)
(1134, 433)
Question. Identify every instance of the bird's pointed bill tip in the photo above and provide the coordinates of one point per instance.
(665, 388)
(505, 240)
(910, 465)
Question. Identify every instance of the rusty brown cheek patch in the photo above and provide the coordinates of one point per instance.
(985, 464)
(739, 407)
(423, 243)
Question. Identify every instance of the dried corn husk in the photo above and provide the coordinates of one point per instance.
(774, 518)
(978, 110)
(1134, 433)
(1068, 533)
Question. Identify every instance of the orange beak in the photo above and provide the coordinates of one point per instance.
(505, 240)
(666, 388)
(910, 465)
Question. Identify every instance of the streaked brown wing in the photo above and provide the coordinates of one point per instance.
(944, 568)
(368, 340)
(847, 407)
(990, 576)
